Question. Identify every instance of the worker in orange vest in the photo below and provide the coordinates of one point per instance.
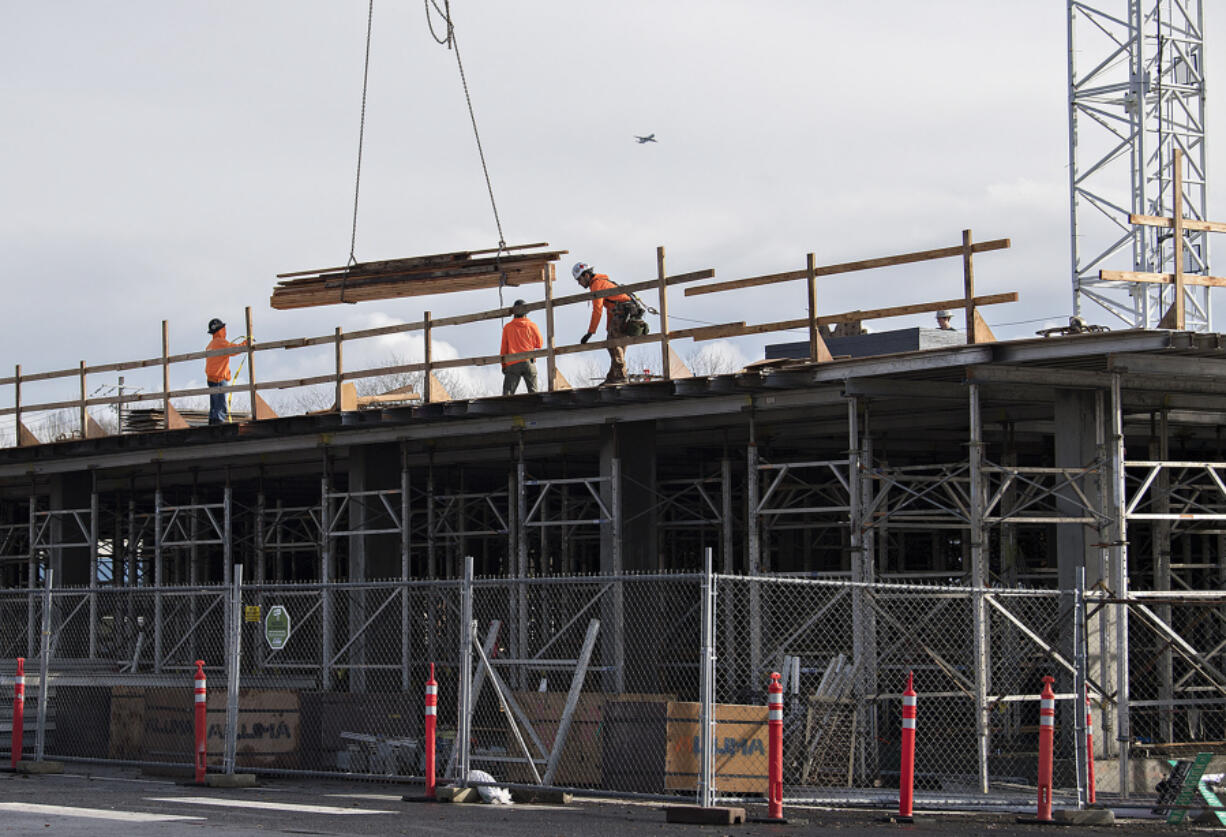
(519, 335)
(617, 306)
(217, 370)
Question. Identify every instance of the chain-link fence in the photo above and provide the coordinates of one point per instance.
(598, 683)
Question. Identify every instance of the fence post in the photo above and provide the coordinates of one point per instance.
(165, 375)
(666, 362)
(84, 416)
(44, 655)
(706, 674)
(250, 365)
(17, 406)
(1079, 684)
(158, 570)
(233, 656)
(427, 389)
(551, 359)
(19, 710)
(340, 369)
(1092, 794)
(464, 704)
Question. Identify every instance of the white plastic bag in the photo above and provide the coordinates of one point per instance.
(488, 793)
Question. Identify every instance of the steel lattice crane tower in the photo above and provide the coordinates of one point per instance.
(1136, 93)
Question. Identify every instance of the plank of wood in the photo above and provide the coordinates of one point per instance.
(349, 398)
(25, 438)
(847, 267)
(983, 334)
(1161, 278)
(438, 392)
(93, 430)
(677, 367)
(1188, 223)
(262, 410)
(388, 398)
(465, 253)
(413, 276)
(740, 329)
(174, 421)
(399, 288)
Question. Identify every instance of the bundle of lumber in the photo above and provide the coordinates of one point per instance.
(148, 420)
(415, 276)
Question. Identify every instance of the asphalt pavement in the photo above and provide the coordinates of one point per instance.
(112, 802)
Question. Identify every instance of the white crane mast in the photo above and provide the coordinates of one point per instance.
(1136, 93)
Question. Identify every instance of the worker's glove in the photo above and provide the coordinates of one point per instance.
(585, 337)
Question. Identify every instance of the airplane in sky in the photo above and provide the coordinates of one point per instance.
(648, 138)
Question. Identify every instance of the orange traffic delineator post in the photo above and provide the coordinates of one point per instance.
(1047, 731)
(19, 709)
(431, 722)
(774, 771)
(202, 723)
(1090, 749)
(906, 777)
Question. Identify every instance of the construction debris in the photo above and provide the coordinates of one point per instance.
(414, 276)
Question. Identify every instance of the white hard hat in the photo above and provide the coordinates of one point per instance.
(942, 314)
(581, 268)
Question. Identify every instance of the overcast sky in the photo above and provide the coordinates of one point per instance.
(165, 160)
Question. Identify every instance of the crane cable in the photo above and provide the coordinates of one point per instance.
(357, 181)
(452, 43)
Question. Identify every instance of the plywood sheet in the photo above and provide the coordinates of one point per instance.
(740, 748)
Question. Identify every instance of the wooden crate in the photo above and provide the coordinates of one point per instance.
(580, 764)
(158, 724)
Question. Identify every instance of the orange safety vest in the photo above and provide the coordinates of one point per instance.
(217, 368)
(519, 335)
(600, 282)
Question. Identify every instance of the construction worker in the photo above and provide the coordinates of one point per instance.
(943, 322)
(617, 306)
(519, 335)
(217, 370)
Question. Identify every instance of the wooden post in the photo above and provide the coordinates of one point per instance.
(339, 369)
(968, 282)
(665, 354)
(84, 429)
(427, 389)
(551, 361)
(811, 267)
(1177, 222)
(17, 406)
(251, 396)
(166, 374)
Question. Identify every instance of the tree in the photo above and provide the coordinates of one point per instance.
(719, 358)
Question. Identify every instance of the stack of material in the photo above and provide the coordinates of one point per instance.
(416, 276)
(144, 421)
(830, 727)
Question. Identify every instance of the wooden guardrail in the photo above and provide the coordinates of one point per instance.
(977, 331)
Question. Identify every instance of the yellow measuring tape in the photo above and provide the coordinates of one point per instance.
(237, 372)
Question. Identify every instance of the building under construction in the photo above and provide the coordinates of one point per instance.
(924, 477)
(993, 465)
